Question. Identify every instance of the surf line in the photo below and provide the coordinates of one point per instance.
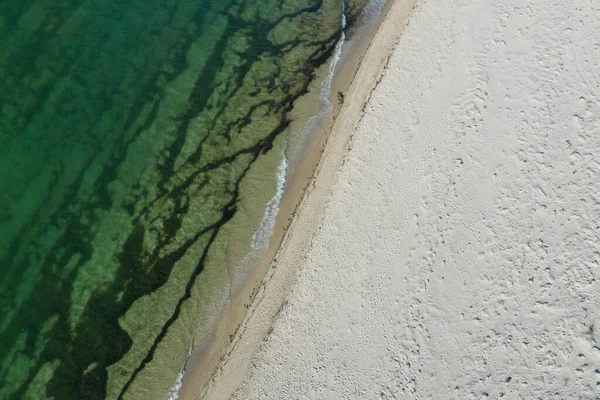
(327, 84)
(173, 393)
(262, 236)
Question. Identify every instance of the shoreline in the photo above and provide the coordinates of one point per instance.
(300, 211)
(199, 367)
(203, 361)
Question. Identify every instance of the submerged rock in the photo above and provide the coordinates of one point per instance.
(127, 131)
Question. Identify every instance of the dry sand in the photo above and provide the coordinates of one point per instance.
(458, 255)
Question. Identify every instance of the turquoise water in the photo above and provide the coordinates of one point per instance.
(127, 129)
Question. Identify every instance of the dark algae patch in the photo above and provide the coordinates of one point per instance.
(126, 131)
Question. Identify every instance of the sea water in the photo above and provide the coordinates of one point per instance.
(126, 131)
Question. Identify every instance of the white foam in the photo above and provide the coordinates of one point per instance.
(260, 238)
(315, 120)
(173, 393)
(328, 82)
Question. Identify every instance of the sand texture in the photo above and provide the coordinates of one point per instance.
(458, 253)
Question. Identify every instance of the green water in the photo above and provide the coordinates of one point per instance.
(127, 129)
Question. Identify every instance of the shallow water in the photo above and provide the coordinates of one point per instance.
(126, 131)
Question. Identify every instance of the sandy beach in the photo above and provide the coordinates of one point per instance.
(447, 245)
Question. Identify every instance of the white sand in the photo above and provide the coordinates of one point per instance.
(459, 253)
